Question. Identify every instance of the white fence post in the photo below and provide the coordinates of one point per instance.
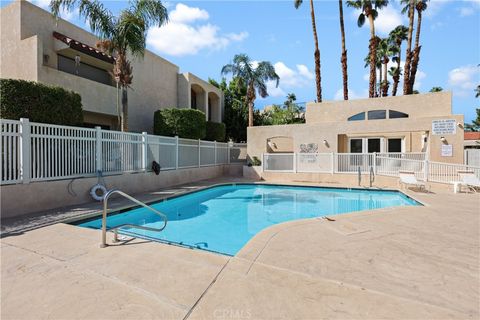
(25, 155)
(229, 146)
(426, 170)
(295, 162)
(176, 152)
(199, 153)
(215, 148)
(332, 162)
(144, 151)
(98, 148)
(375, 163)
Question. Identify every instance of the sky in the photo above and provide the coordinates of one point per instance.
(202, 36)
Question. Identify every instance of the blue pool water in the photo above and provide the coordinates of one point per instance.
(224, 218)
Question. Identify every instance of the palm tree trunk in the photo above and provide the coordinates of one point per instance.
(416, 52)
(406, 72)
(396, 77)
(344, 53)
(318, 77)
(385, 78)
(124, 110)
(373, 58)
(119, 115)
(380, 83)
(250, 99)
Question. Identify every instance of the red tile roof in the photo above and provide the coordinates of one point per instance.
(77, 45)
(471, 136)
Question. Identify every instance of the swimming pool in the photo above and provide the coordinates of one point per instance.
(223, 218)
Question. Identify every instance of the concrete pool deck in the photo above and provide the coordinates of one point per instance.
(394, 263)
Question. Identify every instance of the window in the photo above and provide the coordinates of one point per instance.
(84, 70)
(392, 114)
(377, 114)
(356, 145)
(374, 145)
(394, 145)
(358, 116)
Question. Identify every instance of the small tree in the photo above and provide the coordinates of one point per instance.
(436, 89)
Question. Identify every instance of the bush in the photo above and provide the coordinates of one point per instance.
(215, 131)
(185, 123)
(39, 103)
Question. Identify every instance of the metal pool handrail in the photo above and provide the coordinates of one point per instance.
(115, 229)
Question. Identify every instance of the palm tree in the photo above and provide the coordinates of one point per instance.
(420, 6)
(254, 78)
(385, 50)
(120, 36)
(291, 98)
(344, 52)
(408, 60)
(378, 67)
(436, 89)
(369, 11)
(397, 36)
(318, 76)
(477, 91)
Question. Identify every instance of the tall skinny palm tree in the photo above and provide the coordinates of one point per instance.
(254, 78)
(385, 50)
(397, 36)
(344, 52)
(369, 11)
(121, 36)
(420, 6)
(410, 8)
(318, 76)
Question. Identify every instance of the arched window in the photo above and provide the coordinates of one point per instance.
(392, 114)
(377, 114)
(358, 116)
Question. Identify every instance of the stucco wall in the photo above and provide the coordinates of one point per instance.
(416, 105)
(336, 133)
(21, 199)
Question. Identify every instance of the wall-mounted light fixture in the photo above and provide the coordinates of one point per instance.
(325, 142)
(443, 140)
(460, 125)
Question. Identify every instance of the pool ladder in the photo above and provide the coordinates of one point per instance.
(115, 229)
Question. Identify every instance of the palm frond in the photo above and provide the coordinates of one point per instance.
(297, 3)
(151, 11)
(361, 20)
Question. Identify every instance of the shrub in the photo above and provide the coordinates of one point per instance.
(39, 103)
(185, 123)
(215, 131)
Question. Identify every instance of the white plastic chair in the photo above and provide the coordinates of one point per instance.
(470, 180)
(408, 179)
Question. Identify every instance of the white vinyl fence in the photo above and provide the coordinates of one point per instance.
(387, 164)
(472, 157)
(41, 152)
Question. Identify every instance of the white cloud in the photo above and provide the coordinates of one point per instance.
(186, 14)
(188, 32)
(290, 78)
(388, 18)
(463, 80)
(299, 78)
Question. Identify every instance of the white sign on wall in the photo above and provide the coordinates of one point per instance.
(447, 150)
(445, 126)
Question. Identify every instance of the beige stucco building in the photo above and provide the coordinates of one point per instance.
(413, 123)
(36, 47)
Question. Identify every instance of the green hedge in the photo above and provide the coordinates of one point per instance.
(215, 131)
(185, 123)
(39, 103)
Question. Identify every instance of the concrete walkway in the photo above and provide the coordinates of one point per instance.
(397, 263)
